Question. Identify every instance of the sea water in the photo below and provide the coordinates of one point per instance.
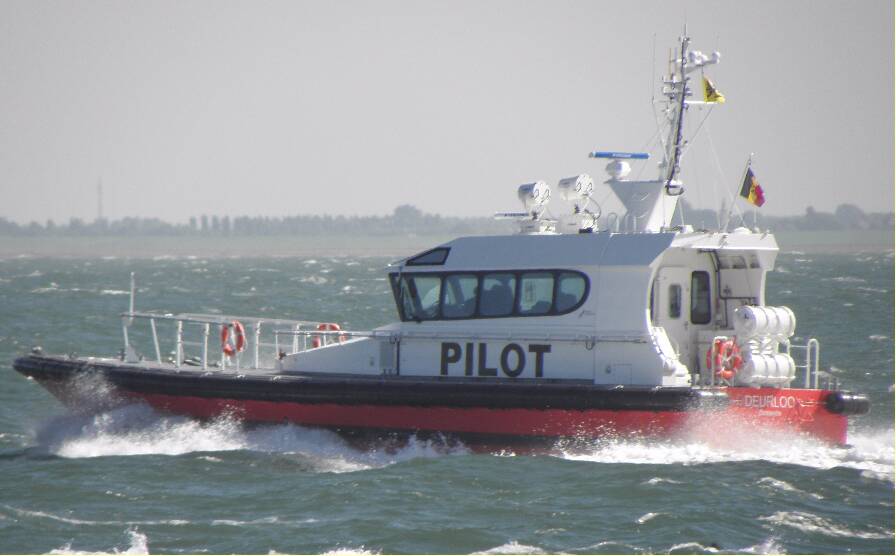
(131, 480)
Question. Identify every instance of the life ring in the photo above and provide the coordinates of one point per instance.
(231, 346)
(724, 358)
(317, 341)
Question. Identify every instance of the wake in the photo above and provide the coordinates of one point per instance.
(871, 452)
(137, 429)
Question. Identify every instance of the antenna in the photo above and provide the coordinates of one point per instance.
(99, 200)
(653, 73)
(677, 131)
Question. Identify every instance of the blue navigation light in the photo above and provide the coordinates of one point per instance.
(614, 154)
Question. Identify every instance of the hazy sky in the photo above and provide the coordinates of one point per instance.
(274, 108)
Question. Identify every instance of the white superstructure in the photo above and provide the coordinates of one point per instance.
(616, 300)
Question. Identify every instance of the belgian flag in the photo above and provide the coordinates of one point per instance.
(751, 191)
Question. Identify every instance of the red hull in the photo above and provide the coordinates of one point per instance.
(780, 410)
(514, 409)
(787, 409)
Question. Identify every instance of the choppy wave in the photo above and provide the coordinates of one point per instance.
(767, 546)
(647, 517)
(49, 516)
(268, 520)
(872, 290)
(139, 430)
(693, 548)
(513, 547)
(817, 525)
(45, 516)
(847, 279)
(360, 551)
(870, 452)
(661, 480)
(137, 544)
(53, 287)
(610, 547)
(777, 484)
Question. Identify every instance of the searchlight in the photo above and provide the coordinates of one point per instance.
(534, 196)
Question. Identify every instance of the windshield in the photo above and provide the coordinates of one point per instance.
(419, 296)
(470, 295)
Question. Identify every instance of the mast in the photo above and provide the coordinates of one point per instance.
(650, 204)
(678, 94)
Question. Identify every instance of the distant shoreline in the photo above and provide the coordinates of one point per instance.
(148, 247)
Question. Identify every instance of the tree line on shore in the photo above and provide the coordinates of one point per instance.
(845, 217)
(407, 219)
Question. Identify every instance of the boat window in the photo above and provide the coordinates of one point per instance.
(419, 296)
(459, 293)
(674, 301)
(700, 297)
(435, 256)
(570, 290)
(470, 295)
(498, 292)
(536, 293)
(403, 297)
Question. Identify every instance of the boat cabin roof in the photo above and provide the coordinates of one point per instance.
(539, 251)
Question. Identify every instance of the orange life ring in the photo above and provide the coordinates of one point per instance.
(727, 360)
(327, 327)
(231, 346)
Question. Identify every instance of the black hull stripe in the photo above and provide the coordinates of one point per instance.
(345, 390)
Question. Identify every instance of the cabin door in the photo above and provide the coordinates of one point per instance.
(669, 308)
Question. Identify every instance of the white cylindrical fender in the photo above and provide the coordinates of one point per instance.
(772, 370)
(751, 321)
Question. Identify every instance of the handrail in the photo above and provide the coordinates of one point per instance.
(574, 338)
(811, 359)
(812, 349)
(206, 321)
(202, 318)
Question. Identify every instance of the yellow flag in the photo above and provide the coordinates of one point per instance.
(710, 93)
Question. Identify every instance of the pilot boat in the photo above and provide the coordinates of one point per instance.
(585, 325)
